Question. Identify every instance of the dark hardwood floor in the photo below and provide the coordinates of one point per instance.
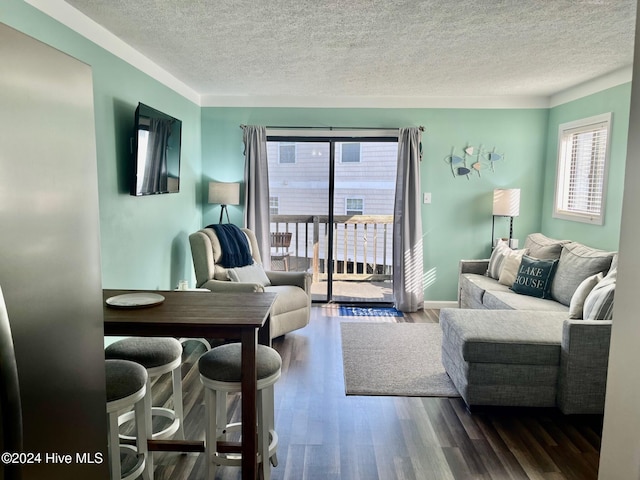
(327, 435)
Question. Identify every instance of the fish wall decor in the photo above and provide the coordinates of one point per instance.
(472, 160)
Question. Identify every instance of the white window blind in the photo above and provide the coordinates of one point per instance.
(582, 169)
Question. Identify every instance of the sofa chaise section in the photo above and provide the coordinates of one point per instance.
(502, 357)
(523, 359)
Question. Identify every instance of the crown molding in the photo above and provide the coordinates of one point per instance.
(497, 102)
(595, 85)
(83, 25)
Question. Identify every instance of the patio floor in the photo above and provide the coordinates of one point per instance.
(343, 291)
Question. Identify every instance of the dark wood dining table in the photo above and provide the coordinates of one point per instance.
(194, 314)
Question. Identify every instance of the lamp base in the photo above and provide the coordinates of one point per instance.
(511, 240)
(223, 210)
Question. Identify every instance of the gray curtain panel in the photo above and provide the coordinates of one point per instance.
(408, 289)
(256, 198)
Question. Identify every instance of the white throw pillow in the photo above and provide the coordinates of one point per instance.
(580, 295)
(253, 273)
(510, 267)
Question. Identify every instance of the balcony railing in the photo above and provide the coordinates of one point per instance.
(362, 245)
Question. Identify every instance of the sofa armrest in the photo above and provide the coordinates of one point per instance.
(478, 267)
(584, 360)
(202, 256)
(299, 279)
(223, 286)
(474, 266)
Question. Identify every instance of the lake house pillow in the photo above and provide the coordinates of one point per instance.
(534, 277)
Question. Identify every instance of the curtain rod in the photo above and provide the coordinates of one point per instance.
(284, 127)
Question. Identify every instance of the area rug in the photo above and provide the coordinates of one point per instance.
(345, 311)
(394, 359)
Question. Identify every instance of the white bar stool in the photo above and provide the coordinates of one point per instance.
(220, 372)
(159, 356)
(126, 384)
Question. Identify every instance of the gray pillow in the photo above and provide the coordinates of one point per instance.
(577, 262)
(599, 303)
(576, 306)
(542, 247)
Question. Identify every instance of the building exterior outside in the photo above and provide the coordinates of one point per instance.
(363, 198)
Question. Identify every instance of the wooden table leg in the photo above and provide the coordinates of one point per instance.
(264, 333)
(249, 399)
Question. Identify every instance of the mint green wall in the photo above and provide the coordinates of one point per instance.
(457, 224)
(616, 100)
(144, 240)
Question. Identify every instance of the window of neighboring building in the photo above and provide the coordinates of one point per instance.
(274, 205)
(583, 156)
(350, 153)
(354, 206)
(287, 152)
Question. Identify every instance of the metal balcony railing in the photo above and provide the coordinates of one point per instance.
(362, 245)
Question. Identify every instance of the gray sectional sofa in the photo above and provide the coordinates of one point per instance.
(542, 349)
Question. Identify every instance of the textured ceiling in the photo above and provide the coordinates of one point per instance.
(384, 48)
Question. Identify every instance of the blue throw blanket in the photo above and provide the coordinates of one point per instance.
(234, 245)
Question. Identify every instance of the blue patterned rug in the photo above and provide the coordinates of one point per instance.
(369, 312)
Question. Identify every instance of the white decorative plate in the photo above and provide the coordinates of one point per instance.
(134, 300)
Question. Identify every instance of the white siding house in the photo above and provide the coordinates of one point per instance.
(365, 175)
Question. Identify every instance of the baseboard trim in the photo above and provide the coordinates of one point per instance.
(431, 305)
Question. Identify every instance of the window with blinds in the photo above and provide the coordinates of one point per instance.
(274, 205)
(350, 153)
(287, 152)
(583, 152)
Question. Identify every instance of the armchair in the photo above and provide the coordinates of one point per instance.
(292, 308)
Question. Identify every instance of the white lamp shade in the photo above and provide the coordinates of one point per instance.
(224, 193)
(506, 202)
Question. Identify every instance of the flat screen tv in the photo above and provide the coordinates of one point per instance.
(156, 152)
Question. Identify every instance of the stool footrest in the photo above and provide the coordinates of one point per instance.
(137, 469)
(155, 412)
(234, 451)
(229, 447)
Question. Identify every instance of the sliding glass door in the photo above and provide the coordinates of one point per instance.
(331, 204)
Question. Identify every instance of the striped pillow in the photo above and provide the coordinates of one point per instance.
(500, 252)
(599, 303)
